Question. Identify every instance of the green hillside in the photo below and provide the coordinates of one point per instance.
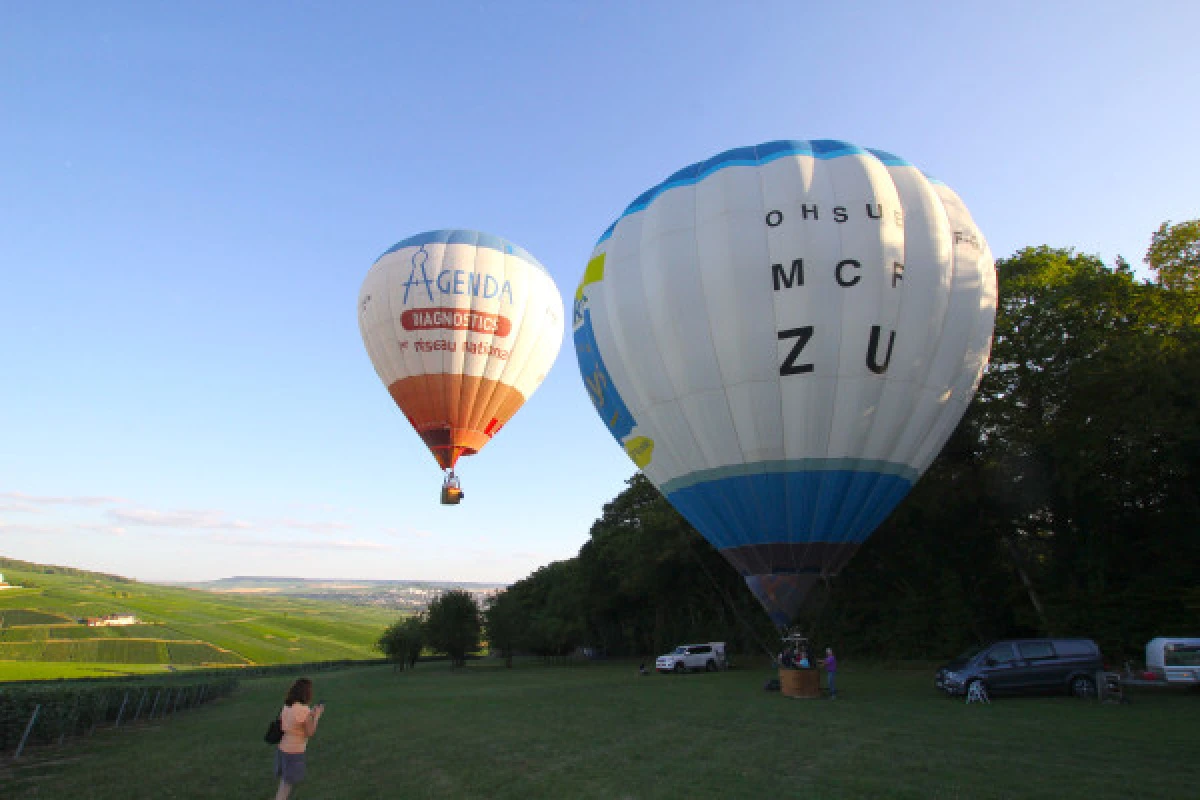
(42, 623)
(25, 616)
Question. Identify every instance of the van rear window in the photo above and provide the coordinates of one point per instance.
(1074, 647)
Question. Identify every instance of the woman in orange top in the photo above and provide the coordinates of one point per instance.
(299, 724)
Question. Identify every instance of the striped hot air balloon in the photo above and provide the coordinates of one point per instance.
(782, 338)
(461, 327)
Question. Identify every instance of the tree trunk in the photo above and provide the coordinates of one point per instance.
(1019, 565)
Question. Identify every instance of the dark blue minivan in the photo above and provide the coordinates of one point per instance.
(1025, 666)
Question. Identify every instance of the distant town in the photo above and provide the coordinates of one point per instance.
(400, 595)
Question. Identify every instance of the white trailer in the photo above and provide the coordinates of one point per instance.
(1175, 658)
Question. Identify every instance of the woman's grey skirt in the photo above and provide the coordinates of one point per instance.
(289, 767)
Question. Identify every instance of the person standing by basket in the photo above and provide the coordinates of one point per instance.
(831, 670)
(299, 722)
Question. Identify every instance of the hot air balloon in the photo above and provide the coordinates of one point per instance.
(461, 327)
(782, 338)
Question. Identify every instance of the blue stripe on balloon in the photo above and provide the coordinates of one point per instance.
(790, 507)
(783, 466)
(740, 157)
(889, 159)
(609, 405)
(469, 237)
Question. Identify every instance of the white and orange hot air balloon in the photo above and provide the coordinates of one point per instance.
(461, 327)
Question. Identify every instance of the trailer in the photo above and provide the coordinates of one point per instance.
(1174, 659)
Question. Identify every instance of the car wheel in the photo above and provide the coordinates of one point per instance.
(679, 668)
(711, 666)
(971, 684)
(1083, 686)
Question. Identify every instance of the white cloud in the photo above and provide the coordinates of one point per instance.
(408, 533)
(110, 530)
(21, 508)
(217, 520)
(312, 527)
(206, 520)
(34, 530)
(326, 508)
(117, 517)
(240, 541)
(289, 544)
(342, 544)
(51, 500)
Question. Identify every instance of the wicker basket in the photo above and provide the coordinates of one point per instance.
(799, 682)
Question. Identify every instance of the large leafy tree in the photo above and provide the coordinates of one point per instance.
(402, 641)
(551, 602)
(504, 620)
(1174, 255)
(452, 625)
(1090, 414)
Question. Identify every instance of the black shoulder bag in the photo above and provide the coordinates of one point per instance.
(274, 733)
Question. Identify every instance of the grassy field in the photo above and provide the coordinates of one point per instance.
(118, 651)
(605, 732)
(41, 671)
(181, 626)
(24, 616)
(38, 633)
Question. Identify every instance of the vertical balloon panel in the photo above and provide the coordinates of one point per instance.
(782, 338)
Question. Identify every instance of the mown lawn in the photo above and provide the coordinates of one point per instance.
(605, 732)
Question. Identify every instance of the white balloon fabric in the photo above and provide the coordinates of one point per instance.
(782, 338)
(461, 327)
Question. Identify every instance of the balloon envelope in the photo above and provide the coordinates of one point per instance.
(461, 327)
(782, 338)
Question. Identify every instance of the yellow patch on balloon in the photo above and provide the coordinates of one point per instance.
(594, 272)
(641, 450)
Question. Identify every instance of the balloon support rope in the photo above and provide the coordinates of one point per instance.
(729, 602)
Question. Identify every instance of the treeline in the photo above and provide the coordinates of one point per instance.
(1066, 503)
(451, 624)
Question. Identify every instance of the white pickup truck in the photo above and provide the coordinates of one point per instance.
(709, 657)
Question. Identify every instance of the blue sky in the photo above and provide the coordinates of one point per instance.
(191, 194)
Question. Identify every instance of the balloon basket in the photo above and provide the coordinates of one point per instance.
(800, 683)
(452, 493)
